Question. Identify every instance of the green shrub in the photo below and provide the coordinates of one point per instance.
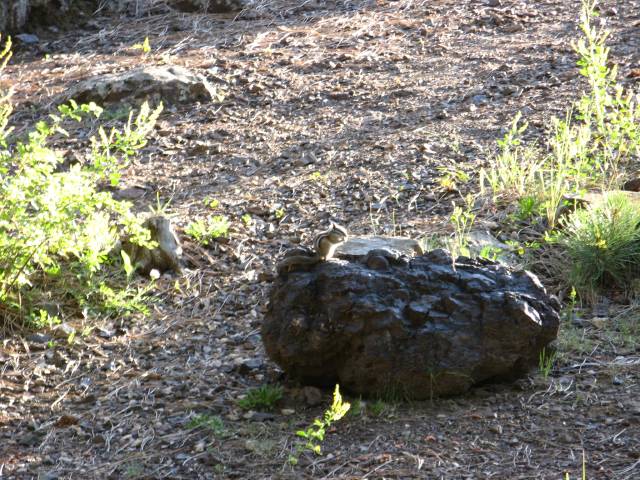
(590, 147)
(314, 435)
(206, 231)
(211, 422)
(264, 397)
(603, 244)
(56, 227)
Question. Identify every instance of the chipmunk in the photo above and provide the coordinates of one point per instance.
(324, 246)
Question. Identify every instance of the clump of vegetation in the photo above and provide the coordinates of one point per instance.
(56, 227)
(211, 422)
(603, 244)
(462, 220)
(314, 435)
(206, 231)
(262, 398)
(590, 148)
(545, 362)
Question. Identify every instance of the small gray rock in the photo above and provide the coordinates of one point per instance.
(170, 84)
(28, 38)
(362, 245)
(41, 338)
(479, 99)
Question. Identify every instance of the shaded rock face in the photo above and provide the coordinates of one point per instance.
(173, 85)
(13, 14)
(415, 328)
(16, 14)
(209, 6)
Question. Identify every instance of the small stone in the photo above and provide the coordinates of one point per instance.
(258, 416)
(129, 193)
(479, 99)
(312, 395)
(106, 332)
(28, 38)
(617, 381)
(632, 185)
(171, 84)
(29, 439)
(253, 363)
(64, 330)
(287, 411)
(39, 338)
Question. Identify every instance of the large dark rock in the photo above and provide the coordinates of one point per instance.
(417, 328)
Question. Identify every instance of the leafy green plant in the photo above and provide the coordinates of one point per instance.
(42, 319)
(451, 177)
(56, 227)
(377, 408)
(112, 151)
(357, 408)
(590, 147)
(206, 231)
(545, 362)
(462, 220)
(123, 301)
(314, 435)
(515, 169)
(279, 213)
(264, 398)
(145, 46)
(211, 422)
(212, 203)
(528, 207)
(602, 242)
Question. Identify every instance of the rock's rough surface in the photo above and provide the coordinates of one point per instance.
(208, 6)
(415, 327)
(173, 85)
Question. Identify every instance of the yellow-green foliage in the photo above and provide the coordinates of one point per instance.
(53, 220)
(590, 147)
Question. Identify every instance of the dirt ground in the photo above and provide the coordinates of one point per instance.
(340, 110)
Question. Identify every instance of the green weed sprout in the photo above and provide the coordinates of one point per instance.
(264, 397)
(314, 435)
(206, 231)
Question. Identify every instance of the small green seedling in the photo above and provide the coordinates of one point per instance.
(261, 398)
(545, 363)
(377, 408)
(206, 231)
(314, 435)
(144, 46)
(212, 203)
(211, 422)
